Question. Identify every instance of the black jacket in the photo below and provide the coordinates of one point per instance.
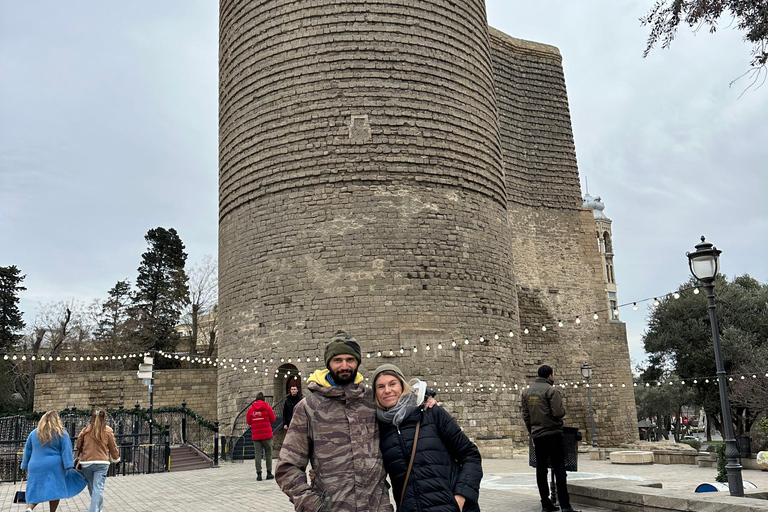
(288, 405)
(543, 410)
(446, 463)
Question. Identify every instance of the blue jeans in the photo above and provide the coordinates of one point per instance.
(95, 475)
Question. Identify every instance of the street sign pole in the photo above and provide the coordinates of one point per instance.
(147, 374)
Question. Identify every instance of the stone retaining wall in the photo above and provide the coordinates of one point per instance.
(112, 389)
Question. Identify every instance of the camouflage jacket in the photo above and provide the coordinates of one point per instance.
(335, 429)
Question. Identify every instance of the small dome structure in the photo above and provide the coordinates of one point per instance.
(596, 205)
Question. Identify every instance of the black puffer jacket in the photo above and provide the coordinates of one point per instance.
(446, 463)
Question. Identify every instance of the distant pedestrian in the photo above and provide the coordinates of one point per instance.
(260, 417)
(291, 400)
(95, 447)
(50, 465)
(543, 411)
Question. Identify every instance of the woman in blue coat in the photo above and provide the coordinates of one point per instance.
(447, 467)
(49, 463)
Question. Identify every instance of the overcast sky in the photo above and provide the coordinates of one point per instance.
(108, 128)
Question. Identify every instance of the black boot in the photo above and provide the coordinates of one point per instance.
(547, 506)
(258, 476)
(570, 509)
(269, 475)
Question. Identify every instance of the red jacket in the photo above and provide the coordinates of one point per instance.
(260, 417)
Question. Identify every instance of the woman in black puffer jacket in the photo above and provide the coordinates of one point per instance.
(447, 469)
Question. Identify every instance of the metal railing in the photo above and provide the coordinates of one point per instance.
(132, 433)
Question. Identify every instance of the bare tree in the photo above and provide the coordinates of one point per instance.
(58, 327)
(200, 316)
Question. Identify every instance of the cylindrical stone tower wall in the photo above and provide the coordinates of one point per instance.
(361, 187)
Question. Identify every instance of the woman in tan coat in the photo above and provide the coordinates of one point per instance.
(96, 446)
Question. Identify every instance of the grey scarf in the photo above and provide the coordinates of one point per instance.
(405, 405)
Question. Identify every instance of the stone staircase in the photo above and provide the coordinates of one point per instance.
(186, 457)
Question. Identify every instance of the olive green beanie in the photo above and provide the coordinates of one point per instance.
(342, 343)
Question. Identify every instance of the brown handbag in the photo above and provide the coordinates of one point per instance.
(410, 464)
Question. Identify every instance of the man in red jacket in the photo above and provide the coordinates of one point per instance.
(260, 417)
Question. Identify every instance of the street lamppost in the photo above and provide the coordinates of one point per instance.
(705, 264)
(586, 372)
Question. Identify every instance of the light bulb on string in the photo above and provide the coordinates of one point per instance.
(696, 291)
(578, 320)
(402, 350)
(466, 341)
(676, 295)
(482, 339)
(415, 349)
(511, 334)
(439, 345)
(543, 327)
(427, 346)
(391, 353)
(595, 316)
(634, 306)
(496, 336)
(453, 343)
(525, 331)
(378, 354)
(655, 301)
(368, 355)
(559, 323)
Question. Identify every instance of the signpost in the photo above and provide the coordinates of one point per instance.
(146, 373)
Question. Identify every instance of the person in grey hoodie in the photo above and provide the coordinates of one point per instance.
(543, 412)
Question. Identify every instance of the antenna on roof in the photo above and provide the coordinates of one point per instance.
(586, 183)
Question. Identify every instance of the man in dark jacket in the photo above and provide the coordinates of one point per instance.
(543, 412)
(290, 402)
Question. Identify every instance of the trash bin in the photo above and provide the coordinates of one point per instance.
(721, 487)
(745, 446)
(571, 438)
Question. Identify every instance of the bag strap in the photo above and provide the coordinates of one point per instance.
(410, 464)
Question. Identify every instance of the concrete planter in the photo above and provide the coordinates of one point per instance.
(762, 461)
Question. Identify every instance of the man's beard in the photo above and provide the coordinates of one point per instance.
(345, 378)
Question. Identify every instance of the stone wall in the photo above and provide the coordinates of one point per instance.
(112, 389)
(556, 259)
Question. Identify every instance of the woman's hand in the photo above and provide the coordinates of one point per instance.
(460, 500)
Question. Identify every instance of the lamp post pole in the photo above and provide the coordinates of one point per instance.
(586, 372)
(705, 264)
(733, 467)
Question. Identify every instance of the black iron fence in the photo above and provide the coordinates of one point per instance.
(144, 445)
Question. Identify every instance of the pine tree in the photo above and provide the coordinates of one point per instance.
(114, 313)
(162, 290)
(10, 317)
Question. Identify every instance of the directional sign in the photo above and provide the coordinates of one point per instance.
(145, 370)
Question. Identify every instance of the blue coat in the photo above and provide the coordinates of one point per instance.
(47, 475)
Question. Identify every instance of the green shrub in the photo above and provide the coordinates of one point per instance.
(693, 443)
(722, 474)
(763, 424)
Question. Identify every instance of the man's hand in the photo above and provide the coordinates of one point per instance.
(431, 402)
(460, 500)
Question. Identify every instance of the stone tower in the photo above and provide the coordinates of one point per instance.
(605, 246)
(371, 181)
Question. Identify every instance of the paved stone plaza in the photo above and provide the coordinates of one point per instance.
(508, 485)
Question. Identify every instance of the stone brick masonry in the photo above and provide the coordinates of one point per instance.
(400, 170)
(113, 389)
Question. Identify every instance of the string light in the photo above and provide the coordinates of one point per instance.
(634, 306)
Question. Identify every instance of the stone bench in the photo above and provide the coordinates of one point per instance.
(631, 457)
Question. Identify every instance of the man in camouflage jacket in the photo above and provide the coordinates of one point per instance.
(335, 429)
